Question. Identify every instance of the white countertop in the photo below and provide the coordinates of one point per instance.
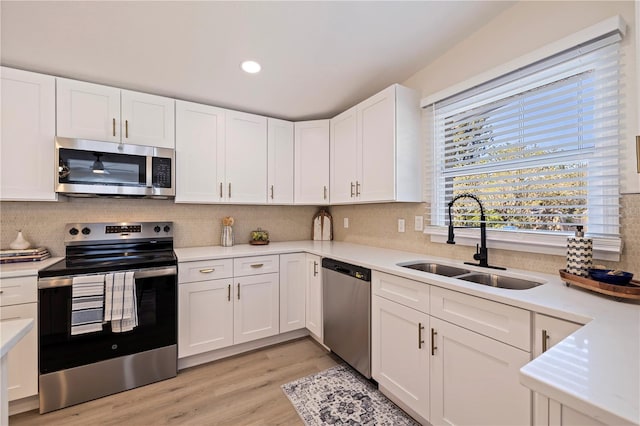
(596, 370)
(11, 331)
(25, 269)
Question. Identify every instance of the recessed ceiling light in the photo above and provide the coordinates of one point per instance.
(251, 67)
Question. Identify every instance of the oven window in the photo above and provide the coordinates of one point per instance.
(99, 168)
(157, 327)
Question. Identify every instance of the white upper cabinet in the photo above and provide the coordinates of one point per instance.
(245, 158)
(376, 154)
(92, 111)
(280, 161)
(344, 156)
(28, 131)
(200, 135)
(311, 167)
(148, 119)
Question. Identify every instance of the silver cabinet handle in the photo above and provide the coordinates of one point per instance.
(114, 126)
(545, 340)
(238, 291)
(315, 269)
(207, 271)
(325, 192)
(126, 128)
(357, 189)
(420, 341)
(229, 189)
(272, 192)
(220, 189)
(352, 189)
(257, 265)
(433, 341)
(229, 293)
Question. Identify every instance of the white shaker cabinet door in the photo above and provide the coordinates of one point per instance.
(200, 132)
(205, 316)
(345, 183)
(311, 167)
(246, 158)
(400, 351)
(148, 120)
(377, 133)
(280, 161)
(474, 379)
(293, 275)
(87, 111)
(27, 167)
(22, 360)
(549, 331)
(313, 293)
(256, 307)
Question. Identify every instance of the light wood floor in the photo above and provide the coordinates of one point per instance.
(242, 390)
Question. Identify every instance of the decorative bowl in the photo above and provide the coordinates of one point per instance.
(603, 275)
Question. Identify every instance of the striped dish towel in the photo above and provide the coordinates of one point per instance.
(87, 303)
(120, 301)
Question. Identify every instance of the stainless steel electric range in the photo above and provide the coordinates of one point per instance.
(88, 348)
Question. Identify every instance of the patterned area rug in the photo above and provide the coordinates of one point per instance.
(341, 396)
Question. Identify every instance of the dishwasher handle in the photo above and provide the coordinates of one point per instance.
(354, 271)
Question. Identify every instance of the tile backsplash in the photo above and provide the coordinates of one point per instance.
(377, 225)
(42, 223)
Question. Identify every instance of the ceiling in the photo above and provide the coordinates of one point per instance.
(318, 58)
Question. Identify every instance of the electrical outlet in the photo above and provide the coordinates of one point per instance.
(400, 225)
(345, 222)
(419, 223)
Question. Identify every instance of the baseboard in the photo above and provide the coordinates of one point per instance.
(194, 360)
(24, 404)
(404, 406)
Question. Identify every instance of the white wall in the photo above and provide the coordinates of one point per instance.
(527, 26)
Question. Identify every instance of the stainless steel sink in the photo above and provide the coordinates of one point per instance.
(436, 268)
(499, 281)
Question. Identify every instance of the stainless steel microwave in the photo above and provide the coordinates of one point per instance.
(94, 168)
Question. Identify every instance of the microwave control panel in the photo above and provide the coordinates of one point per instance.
(161, 172)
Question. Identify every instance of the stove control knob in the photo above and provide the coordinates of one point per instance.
(73, 231)
(156, 229)
(86, 231)
(167, 228)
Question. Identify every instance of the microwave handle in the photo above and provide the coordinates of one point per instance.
(149, 172)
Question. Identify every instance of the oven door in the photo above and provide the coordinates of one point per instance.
(156, 294)
(86, 167)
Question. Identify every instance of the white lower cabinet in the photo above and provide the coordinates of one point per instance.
(22, 380)
(292, 291)
(549, 331)
(219, 308)
(474, 379)
(205, 316)
(313, 302)
(400, 354)
(256, 307)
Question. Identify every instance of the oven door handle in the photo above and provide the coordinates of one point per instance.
(66, 281)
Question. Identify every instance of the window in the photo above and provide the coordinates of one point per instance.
(539, 147)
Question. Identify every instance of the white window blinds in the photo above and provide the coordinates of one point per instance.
(538, 147)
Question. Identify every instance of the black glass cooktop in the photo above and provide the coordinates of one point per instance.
(111, 258)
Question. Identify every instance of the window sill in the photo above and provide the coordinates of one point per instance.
(603, 248)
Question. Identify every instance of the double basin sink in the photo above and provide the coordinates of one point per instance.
(492, 280)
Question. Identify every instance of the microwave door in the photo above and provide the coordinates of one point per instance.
(79, 167)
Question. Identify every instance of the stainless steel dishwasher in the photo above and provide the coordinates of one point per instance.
(346, 309)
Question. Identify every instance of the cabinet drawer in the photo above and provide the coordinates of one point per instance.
(22, 380)
(204, 270)
(501, 322)
(410, 293)
(18, 290)
(243, 266)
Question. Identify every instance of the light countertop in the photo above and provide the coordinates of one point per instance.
(25, 269)
(596, 370)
